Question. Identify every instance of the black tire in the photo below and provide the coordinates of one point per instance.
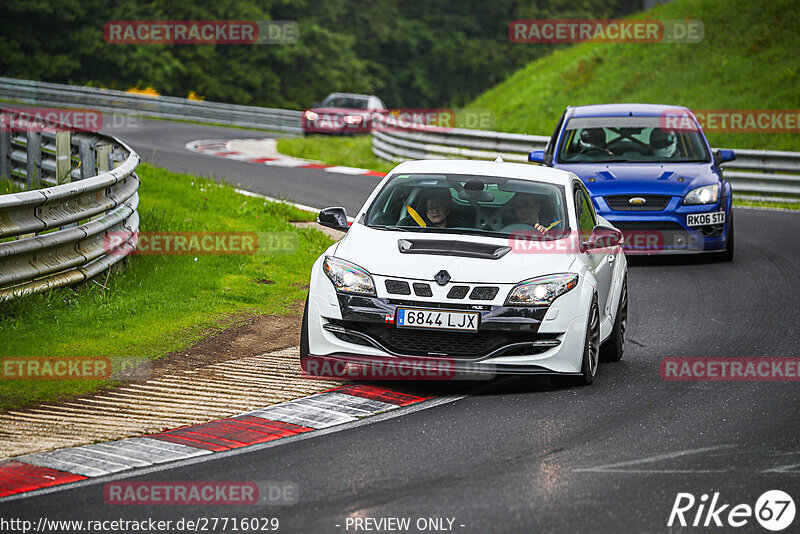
(729, 243)
(591, 352)
(304, 338)
(614, 347)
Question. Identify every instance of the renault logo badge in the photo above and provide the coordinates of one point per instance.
(442, 277)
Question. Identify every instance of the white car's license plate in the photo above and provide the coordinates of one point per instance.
(701, 219)
(446, 320)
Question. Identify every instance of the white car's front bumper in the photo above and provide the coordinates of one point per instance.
(510, 340)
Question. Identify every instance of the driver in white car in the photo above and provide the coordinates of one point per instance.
(528, 210)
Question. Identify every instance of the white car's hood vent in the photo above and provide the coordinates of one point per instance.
(469, 260)
(440, 247)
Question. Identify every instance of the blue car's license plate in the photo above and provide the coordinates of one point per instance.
(701, 219)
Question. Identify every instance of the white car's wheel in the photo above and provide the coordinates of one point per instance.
(614, 347)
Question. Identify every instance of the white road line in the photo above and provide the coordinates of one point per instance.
(346, 170)
(302, 207)
(285, 163)
(792, 468)
(619, 467)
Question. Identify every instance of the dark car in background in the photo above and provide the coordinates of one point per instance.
(342, 113)
(651, 173)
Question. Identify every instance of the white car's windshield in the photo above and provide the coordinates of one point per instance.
(630, 140)
(466, 204)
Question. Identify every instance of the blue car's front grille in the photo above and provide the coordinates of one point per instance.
(640, 202)
(648, 226)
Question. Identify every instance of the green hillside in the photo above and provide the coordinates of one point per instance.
(749, 59)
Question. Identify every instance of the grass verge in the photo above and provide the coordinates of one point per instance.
(7, 187)
(350, 151)
(161, 303)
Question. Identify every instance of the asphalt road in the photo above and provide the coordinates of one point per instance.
(520, 455)
(162, 143)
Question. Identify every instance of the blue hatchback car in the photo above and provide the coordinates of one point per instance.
(651, 173)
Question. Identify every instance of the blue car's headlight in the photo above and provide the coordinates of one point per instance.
(348, 277)
(708, 194)
(541, 291)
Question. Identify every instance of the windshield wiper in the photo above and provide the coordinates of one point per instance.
(603, 161)
(390, 227)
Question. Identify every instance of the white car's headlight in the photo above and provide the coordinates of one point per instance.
(348, 277)
(708, 194)
(541, 291)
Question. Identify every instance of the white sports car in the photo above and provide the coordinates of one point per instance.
(491, 267)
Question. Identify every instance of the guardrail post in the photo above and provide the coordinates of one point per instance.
(103, 162)
(5, 151)
(63, 158)
(34, 170)
(115, 159)
(87, 151)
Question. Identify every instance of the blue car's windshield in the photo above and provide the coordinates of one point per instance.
(630, 140)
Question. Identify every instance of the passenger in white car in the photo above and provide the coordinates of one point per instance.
(438, 206)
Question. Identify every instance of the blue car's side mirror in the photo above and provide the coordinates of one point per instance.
(537, 156)
(725, 154)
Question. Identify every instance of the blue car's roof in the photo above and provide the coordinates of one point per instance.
(620, 110)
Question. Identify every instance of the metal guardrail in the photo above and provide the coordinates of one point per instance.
(164, 107)
(58, 235)
(755, 174)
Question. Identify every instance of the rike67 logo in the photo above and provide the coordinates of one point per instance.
(774, 510)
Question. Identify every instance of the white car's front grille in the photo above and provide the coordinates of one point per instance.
(456, 292)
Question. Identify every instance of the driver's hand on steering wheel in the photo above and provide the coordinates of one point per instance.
(542, 230)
